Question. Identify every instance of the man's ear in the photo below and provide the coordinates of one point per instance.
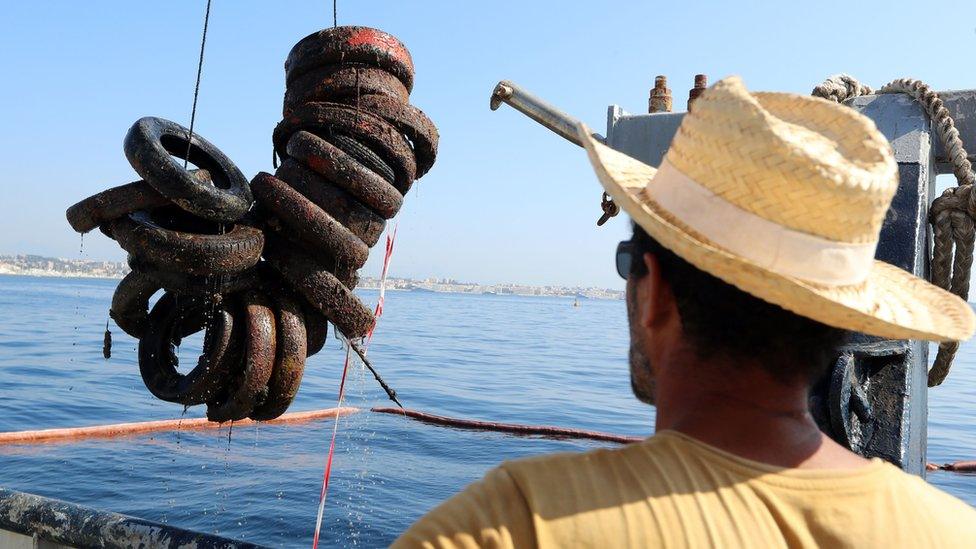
(655, 299)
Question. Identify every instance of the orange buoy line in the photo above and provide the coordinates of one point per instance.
(128, 429)
(514, 428)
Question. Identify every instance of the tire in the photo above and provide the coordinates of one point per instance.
(248, 386)
(369, 131)
(130, 303)
(338, 203)
(350, 45)
(196, 285)
(305, 222)
(185, 252)
(410, 120)
(316, 329)
(324, 292)
(342, 170)
(289, 365)
(342, 82)
(278, 244)
(170, 320)
(150, 146)
(112, 204)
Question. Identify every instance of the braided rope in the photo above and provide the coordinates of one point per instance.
(951, 215)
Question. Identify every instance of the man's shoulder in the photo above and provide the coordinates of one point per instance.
(565, 476)
(941, 505)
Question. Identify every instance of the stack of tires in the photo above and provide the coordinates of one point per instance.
(351, 146)
(264, 277)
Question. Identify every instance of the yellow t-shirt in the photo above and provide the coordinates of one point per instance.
(674, 491)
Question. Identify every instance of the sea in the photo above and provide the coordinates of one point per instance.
(535, 360)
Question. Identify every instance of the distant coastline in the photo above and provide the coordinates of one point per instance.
(35, 265)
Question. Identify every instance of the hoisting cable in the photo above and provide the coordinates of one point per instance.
(196, 88)
(951, 214)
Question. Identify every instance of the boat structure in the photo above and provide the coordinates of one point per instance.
(874, 400)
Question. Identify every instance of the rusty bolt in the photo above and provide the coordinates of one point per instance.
(660, 98)
(701, 82)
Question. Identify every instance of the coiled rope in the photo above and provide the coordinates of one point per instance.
(951, 214)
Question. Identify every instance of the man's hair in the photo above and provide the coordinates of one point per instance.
(718, 319)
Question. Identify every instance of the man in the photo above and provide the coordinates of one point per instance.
(752, 257)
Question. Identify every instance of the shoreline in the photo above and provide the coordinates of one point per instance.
(369, 283)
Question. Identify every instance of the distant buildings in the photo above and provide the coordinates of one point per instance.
(453, 286)
(34, 265)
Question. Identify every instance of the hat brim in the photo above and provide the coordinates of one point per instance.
(890, 303)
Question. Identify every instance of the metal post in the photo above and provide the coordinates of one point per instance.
(537, 109)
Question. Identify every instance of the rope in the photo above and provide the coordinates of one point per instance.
(327, 474)
(951, 215)
(196, 88)
(352, 346)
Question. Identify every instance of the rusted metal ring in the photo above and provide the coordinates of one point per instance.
(306, 222)
(323, 291)
(342, 82)
(142, 235)
(289, 364)
(130, 303)
(343, 170)
(350, 44)
(172, 319)
(410, 120)
(150, 147)
(337, 202)
(247, 387)
(326, 119)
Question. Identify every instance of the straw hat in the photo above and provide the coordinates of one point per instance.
(783, 196)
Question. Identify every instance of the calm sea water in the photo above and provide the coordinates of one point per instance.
(529, 360)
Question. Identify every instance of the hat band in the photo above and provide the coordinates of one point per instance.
(770, 245)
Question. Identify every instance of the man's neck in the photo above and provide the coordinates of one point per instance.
(745, 411)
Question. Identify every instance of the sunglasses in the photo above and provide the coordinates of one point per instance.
(625, 257)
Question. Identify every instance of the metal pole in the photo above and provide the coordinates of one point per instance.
(542, 112)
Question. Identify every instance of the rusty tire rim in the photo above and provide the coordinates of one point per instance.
(151, 145)
(408, 119)
(113, 203)
(343, 170)
(350, 44)
(194, 253)
(341, 83)
(130, 303)
(290, 353)
(247, 386)
(177, 282)
(323, 291)
(342, 206)
(304, 221)
(316, 329)
(378, 135)
(172, 319)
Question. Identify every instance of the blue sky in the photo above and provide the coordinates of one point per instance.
(507, 200)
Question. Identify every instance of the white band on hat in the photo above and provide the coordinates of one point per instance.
(772, 246)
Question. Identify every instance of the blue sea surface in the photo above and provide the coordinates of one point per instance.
(502, 358)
